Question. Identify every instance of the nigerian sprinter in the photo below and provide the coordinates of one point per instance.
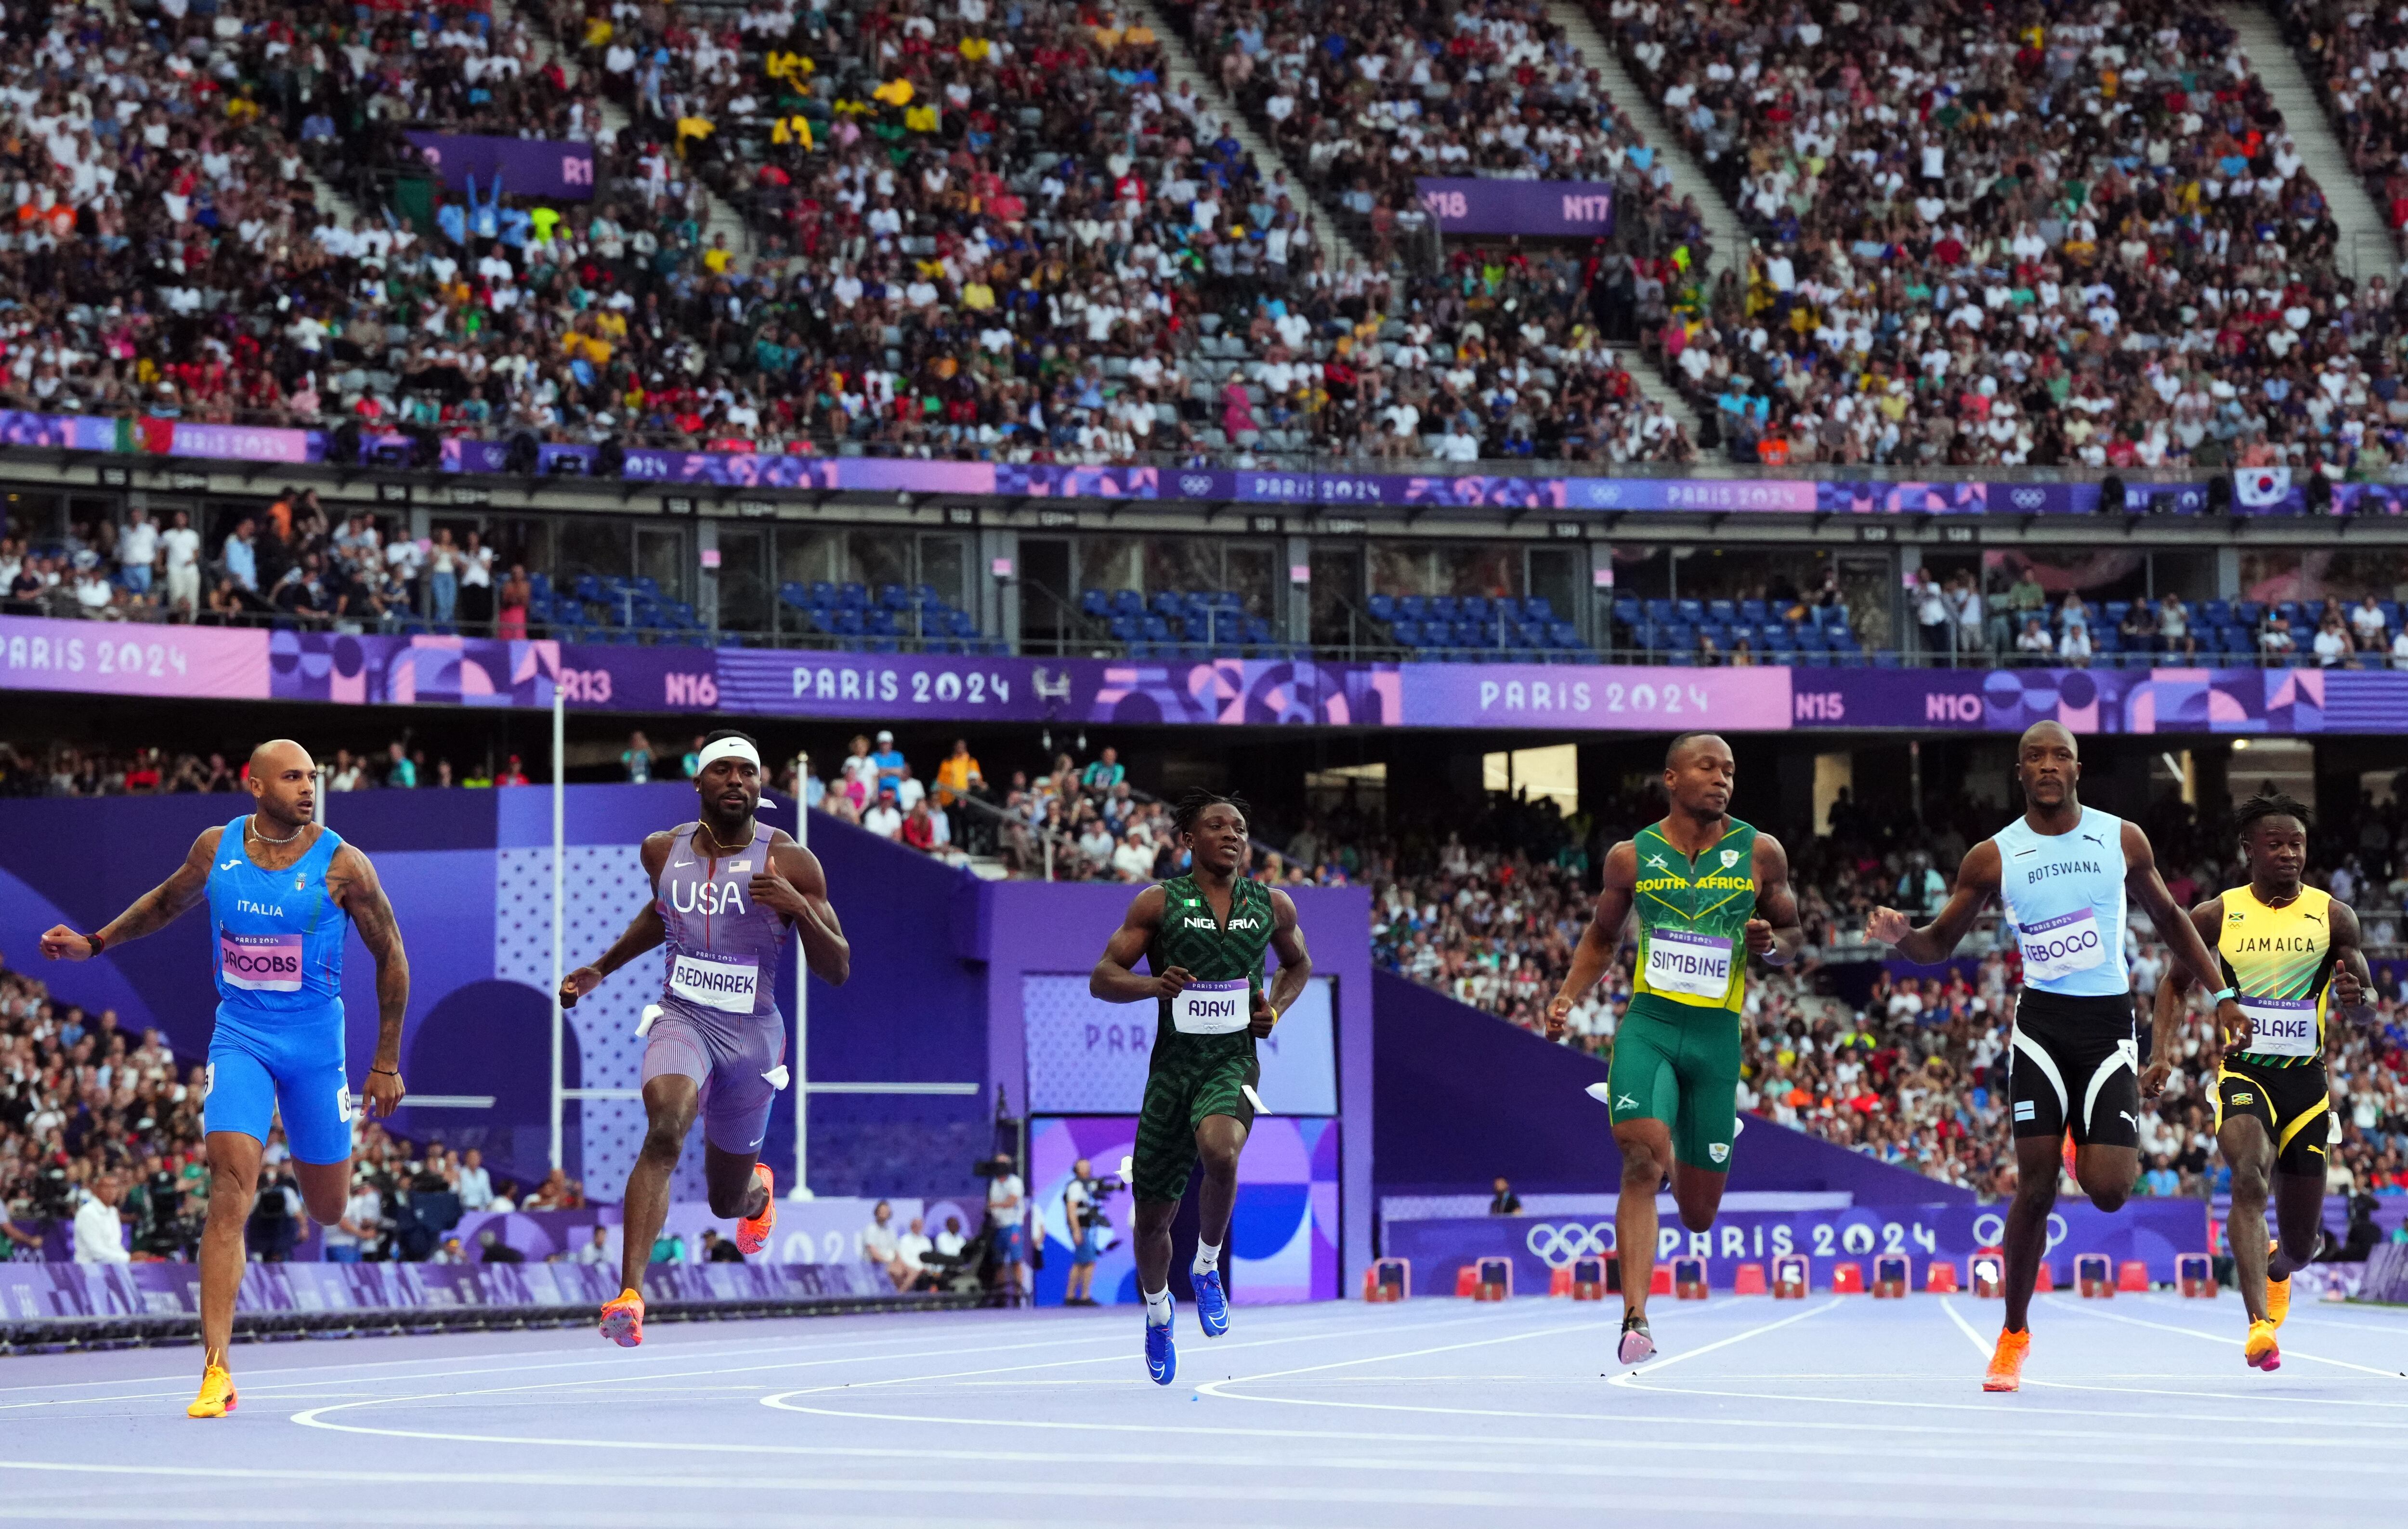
(2292, 953)
(1709, 891)
(726, 890)
(1202, 935)
(282, 890)
(2065, 873)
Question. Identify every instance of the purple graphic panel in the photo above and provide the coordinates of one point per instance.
(2268, 701)
(2155, 1231)
(125, 660)
(1283, 1237)
(42, 1291)
(1543, 208)
(405, 671)
(561, 169)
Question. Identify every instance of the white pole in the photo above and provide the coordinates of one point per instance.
(802, 1068)
(559, 914)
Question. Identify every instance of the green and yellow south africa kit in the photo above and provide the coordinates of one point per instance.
(1676, 1053)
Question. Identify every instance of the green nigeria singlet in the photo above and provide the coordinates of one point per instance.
(1693, 918)
(1203, 1046)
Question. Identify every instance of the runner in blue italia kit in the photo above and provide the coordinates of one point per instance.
(283, 892)
(1202, 936)
(2065, 873)
(727, 891)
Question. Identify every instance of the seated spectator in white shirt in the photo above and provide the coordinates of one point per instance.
(2399, 648)
(476, 1187)
(1095, 843)
(99, 1232)
(950, 1242)
(2332, 644)
(911, 1250)
(879, 1242)
(883, 819)
(1133, 860)
(2366, 620)
(596, 1252)
(2035, 640)
(2075, 647)
(909, 790)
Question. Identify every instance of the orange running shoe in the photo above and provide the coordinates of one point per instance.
(2006, 1371)
(623, 1320)
(2261, 1352)
(217, 1397)
(752, 1232)
(2278, 1301)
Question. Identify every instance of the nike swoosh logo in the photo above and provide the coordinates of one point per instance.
(675, 864)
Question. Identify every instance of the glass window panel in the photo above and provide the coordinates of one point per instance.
(1182, 562)
(661, 556)
(1555, 573)
(2096, 574)
(1337, 593)
(743, 590)
(809, 555)
(1252, 569)
(1110, 563)
(593, 546)
(945, 564)
(881, 558)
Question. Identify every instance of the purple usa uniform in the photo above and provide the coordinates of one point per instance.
(719, 1022)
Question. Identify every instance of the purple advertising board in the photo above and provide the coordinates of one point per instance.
(559, 169)
(50, 1292)
(2155, 1231)
(1540, 208)
(37, 653)
(106, 657)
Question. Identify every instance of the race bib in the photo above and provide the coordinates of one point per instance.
(2280, 1026)
(1681, 962)
(1212, 1009)
(730, 983)
(260, 962)
(2062, 946)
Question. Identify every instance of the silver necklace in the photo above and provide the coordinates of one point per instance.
(252, 823)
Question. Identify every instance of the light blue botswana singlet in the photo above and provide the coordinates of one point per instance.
(2065, 896)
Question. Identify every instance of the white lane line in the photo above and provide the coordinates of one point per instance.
(1981, 1345)
(1631, 1377)
(1885, 1505)
(314, 1417)
(2090, 1309)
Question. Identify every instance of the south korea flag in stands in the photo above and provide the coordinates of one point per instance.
(2261, 485)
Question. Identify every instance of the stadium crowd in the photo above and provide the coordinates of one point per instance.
(93, 1116)
(2078, 234)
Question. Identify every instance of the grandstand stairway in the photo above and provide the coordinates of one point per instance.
(1689, 180)
(2367, 247)
(718, 216)
(1180, 64)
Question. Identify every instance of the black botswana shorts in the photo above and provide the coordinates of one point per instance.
(2077, 1067)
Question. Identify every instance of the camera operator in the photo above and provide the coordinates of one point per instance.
(1083, 1208)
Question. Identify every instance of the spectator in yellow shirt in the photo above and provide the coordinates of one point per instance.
(959, 775)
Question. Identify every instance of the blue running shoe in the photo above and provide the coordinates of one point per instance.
(1212, 1303)
(1161, 1356)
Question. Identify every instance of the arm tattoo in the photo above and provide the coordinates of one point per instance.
(362, 898)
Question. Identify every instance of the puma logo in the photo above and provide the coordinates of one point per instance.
(2313, 918)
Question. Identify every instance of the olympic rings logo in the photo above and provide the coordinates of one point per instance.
(1558, 1246)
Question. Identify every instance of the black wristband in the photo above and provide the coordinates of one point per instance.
(386, 1071)
(97, 942)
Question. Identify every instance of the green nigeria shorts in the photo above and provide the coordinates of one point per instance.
(1192, 1076)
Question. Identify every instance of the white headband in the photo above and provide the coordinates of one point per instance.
(726, 749)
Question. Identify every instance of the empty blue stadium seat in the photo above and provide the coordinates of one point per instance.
(1413, 608)
(1381, 607)
(1538, 608)
(1755, 612)
(1442, 607)
(1095, 603)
